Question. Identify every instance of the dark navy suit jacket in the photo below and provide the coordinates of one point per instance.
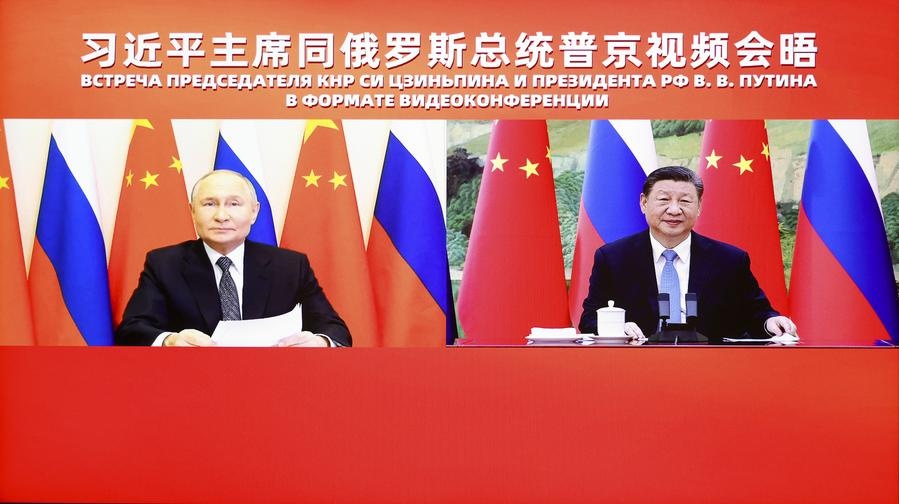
(731, 304)
(177, 291)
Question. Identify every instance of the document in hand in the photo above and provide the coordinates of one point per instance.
(258, 332)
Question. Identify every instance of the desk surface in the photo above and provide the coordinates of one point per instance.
(654, 424)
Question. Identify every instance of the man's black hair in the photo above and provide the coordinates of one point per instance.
(675, 173)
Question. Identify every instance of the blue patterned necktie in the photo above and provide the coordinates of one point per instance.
(228, 291)
(670, 283)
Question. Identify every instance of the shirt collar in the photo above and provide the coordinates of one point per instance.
(236, 256)
(682, 248)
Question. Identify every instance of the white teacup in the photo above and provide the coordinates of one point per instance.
(610, 321)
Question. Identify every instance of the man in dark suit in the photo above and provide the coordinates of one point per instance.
(186, 289)
(670, 257)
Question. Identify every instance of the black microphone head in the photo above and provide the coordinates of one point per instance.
(664, 305)
(692, 304)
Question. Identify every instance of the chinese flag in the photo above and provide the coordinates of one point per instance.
(323, 222)
(738, 205)
(153, 208)
(514, 276)
(15, 306)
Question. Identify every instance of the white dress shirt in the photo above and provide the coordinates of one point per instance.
(236, 269)
(681, 266)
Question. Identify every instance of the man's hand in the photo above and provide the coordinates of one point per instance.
(188, 337)
(780, 325)
(303, 339)
(633, 331)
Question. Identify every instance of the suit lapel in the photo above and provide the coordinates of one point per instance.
(645, 272)
(197, 272)
(256, 281)
(700, 268)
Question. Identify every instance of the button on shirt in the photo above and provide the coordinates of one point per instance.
(681, 265)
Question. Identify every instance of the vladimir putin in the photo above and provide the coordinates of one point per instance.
(186, 289)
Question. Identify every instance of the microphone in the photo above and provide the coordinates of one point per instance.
(692, 309)
(664, 310)
(678, 334)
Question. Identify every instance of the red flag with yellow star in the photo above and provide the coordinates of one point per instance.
(323, 222)
(738, 205)
(15, 304)
(514, 277)
(153, 208)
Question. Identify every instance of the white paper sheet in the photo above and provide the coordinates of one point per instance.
(264, 332)
(783, 339)
(553, 331)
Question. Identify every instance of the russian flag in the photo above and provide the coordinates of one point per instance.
(842, 288)
(69, 283)
(620, 154)
(407, 245)
(238, 150)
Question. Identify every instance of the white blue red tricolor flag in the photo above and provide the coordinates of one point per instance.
(842, 288)
(238, 150)
(619, 156)
(407, 247)
(69, 282)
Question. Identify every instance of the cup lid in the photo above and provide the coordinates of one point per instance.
(611, 308)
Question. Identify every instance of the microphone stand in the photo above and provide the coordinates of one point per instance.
(676, 333)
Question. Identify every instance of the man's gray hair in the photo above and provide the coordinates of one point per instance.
(193, 192)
